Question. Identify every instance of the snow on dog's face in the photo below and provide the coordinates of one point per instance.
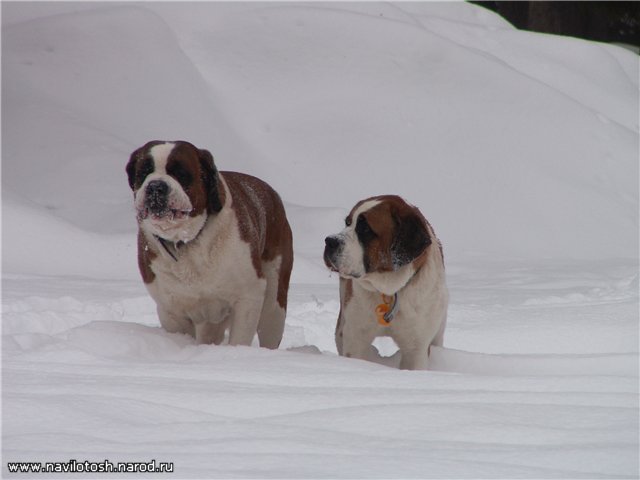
(175, 187)
(382, 235)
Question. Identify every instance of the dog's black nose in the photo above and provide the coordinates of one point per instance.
(332, 248)
(157, 195)
(331, 243)
(157, 187)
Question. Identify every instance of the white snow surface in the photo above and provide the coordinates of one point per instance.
(520, 148)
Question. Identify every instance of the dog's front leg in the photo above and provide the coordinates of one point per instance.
(357, 338)
(244, 321)
(207, 332)
(415, 357)
(175, 323)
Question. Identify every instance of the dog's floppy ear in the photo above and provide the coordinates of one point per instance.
(131, 169)
(410, 240)
(210, 181)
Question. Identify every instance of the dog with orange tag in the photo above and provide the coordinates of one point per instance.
(392, 281)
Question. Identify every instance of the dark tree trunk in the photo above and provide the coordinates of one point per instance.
(600, 20)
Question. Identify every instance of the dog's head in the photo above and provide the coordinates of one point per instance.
(381, 235)
(175, 187)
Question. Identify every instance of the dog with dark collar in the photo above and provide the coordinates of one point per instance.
(392, 281)
(214, 248)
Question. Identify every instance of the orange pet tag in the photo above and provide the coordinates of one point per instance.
(383, 309)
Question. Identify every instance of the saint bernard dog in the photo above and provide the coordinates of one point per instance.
(392, 281)
(214, 248)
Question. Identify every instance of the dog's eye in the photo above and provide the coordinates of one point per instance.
(347, 221)
(180, 174)
(145, 169)
(363, 229)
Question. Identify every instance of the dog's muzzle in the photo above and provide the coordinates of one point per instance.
(160, 203)
(332, 248)
(156, 197)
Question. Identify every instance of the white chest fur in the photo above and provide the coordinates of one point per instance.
(210, 274)
(419, 321)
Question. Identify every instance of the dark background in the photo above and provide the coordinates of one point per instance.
(601, 21)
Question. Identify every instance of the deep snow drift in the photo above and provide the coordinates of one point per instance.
(521, 149)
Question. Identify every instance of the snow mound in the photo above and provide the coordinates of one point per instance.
(512, 144)
(82, 91)
(39, 243)
(135, 392)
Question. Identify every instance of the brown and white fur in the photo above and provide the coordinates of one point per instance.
(388, 247)
(214, 248)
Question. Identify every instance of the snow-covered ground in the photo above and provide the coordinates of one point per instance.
(520, 148)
